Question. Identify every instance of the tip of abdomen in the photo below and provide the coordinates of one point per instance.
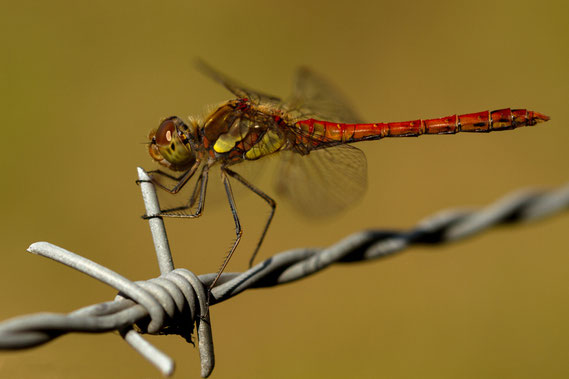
(538, 117)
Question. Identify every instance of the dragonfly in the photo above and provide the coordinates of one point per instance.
(319, 171)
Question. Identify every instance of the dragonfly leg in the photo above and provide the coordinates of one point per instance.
(181, 180)
(238, 230)
(165, 174)
(272, 203)
(200, 188)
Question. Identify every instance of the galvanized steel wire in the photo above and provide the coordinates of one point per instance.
(177, 301)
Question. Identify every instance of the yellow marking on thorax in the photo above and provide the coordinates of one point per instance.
(270, 143)
(235, 134)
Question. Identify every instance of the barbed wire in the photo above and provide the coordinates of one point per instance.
(177, 301)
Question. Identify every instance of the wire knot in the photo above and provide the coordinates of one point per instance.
(178, 302)
(183, 302)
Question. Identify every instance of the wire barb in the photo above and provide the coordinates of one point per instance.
(175, 301)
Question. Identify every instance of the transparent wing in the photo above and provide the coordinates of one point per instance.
(315, 97)
(323, 182)
(234, 87)
(326, 180)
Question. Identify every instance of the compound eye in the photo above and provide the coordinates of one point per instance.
(166, 132)
(170, 146)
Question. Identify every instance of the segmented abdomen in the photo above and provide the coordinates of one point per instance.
(503, 119)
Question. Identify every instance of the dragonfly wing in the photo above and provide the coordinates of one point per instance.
(315, 97)
(323, 182)
(234, 87)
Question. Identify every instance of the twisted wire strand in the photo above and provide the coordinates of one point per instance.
(443, 227)
(173, 302)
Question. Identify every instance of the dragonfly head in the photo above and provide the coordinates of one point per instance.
(171, 145)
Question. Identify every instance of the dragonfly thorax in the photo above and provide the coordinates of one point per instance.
(172, 144)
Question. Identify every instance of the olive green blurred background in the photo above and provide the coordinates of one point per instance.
(82, 83)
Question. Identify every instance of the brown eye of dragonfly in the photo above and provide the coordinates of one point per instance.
(165, 132)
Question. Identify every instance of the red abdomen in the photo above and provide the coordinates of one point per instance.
(503, 119)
